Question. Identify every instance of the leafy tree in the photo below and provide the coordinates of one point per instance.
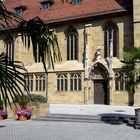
(131, 69)
(35, 33)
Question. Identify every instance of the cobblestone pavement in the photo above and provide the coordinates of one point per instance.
(43, 130)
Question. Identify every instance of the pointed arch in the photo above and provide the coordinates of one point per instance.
(110, 29)
(75, 82)
(99, 71)
(72, 43)
(62, 82)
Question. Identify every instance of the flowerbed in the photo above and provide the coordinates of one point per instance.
(3, 114)
(26, 113)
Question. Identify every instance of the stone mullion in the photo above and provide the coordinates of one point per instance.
(34, 83)
(124, 86)
(73, 47)
(113, 42)
(119, 85)
(31, 81)
(63, 83)
(69, 48)
(68, 82)
(108, 40)
(60, 83)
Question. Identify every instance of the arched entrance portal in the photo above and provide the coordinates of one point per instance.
(100, 78)
(100, 92)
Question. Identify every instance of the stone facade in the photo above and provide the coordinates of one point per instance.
(95, 39)
(136, 21)
(94, 69)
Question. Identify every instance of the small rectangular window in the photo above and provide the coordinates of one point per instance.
(45, 6)
(19, 10)
(74, 2)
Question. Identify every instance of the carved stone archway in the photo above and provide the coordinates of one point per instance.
(100, 76)
(99, 71)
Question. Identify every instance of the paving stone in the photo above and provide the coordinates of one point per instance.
(42, 130)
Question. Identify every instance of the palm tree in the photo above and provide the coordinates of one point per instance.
(131, 68)
(11, 79)
(34, 33)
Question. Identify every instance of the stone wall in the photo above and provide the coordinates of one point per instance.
(55, 96)
(95, 39)
(136, 21)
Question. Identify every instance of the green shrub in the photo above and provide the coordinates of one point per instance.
(38, 98)
(1, 104)
(24, 100)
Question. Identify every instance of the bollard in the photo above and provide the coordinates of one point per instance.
(137, 118)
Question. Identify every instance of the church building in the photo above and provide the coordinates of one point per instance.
(92, 36)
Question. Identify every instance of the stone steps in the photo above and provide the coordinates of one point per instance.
(89, 113)
(69, 118)
(115, 119)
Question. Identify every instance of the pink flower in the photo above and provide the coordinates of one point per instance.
(3, 112)
(26, 112)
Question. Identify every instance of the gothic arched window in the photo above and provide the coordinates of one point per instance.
(40, 82)
(9, 44)
(110, 34)
(62, 82)
(75, 82)
(72, 44)
(120, 84)
(29, 82)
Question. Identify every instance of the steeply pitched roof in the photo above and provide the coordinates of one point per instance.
(65, 11)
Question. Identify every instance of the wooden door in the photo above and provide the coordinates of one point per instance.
(100, 92)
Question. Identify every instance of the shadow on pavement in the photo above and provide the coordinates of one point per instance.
(116, 118)
(1, 126)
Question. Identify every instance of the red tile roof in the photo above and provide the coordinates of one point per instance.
(65, 11)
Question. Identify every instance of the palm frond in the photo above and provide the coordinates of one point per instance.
(42, 37)
(36, 34)
(11, 79)
(8, 19)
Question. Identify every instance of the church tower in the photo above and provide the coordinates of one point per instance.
(136, 22)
